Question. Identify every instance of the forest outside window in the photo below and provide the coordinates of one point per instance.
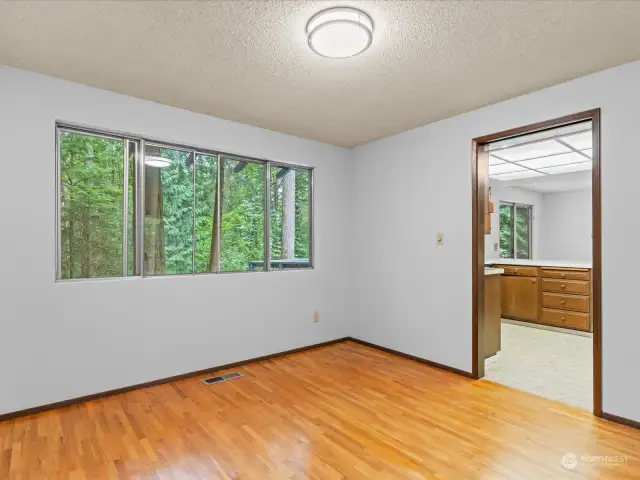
(194, 211)
(515, 230)
(290, 226)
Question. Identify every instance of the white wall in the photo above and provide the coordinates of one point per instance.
(412, 296)
(514, 195)
(63, 340)
(566, 227)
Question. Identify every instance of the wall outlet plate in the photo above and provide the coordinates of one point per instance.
(316, 316)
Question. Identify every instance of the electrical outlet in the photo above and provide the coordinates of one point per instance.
(439, 239)
(316, 317)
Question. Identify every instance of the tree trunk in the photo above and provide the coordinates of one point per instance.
(85, 269)
(155, 262)
(72, 266)
(288, 215)
(85, 258)
(213, 255)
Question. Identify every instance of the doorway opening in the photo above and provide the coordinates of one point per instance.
(537, 259)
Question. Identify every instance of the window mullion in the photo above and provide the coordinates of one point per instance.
(515, 238)
(140, 192)
(217, 213)
(125, 209)
(58, 209)
(193, 215)
(267, 218)
(311, 219)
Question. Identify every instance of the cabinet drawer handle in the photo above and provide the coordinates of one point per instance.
(562, 301)
(563, 286)
(533, 280)
(563, 275)
(515, 270)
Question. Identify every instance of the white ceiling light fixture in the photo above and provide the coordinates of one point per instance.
(340, 32)
(156, 161)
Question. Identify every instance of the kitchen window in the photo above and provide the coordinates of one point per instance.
(515, 230)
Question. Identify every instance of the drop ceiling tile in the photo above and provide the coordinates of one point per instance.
(574, 167)
(532, 150)
(580, 141)
(554, 160)
(517, 175)
(504, 168)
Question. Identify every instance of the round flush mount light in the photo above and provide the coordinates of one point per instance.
(340, 32)
(156, 161)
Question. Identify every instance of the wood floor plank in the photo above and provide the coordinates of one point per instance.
(345, 411)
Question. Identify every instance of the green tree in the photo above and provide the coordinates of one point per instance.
(92, 202)
(91, 206)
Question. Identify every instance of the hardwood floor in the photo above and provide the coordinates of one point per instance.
(343, 411)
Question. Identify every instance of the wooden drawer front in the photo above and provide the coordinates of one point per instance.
(566, 302)
(579, 287)
(563, 318)
(566, 274)
(520, 271)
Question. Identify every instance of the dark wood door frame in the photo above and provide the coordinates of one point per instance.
(480, 177)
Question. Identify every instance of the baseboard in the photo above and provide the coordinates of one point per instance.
(153, 383)
(412, 357)
(622, 420)
(175, 378)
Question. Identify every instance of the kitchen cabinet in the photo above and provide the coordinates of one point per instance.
(555, 296)
(566, 298)
(520, 297)
(492, 314)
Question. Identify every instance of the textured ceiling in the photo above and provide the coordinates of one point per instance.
(248, 60)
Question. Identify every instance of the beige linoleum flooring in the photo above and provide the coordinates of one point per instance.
(551, 364)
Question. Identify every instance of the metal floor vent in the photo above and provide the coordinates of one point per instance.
(222, 378)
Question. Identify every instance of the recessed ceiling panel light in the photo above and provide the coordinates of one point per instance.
(580, 141)
(532, 150)
(504, 168)
(554, 160)
(340, 32)
(518, 175)
(574, 167)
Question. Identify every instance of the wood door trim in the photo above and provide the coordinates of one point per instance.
(479, 178)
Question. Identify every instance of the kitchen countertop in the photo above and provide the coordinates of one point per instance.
(537, 263)
(493, 271)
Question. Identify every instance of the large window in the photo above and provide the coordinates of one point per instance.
(91, 206)
(243, 215)
(169, 205)
(290, 206)
(515, 230)
(178, 211)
